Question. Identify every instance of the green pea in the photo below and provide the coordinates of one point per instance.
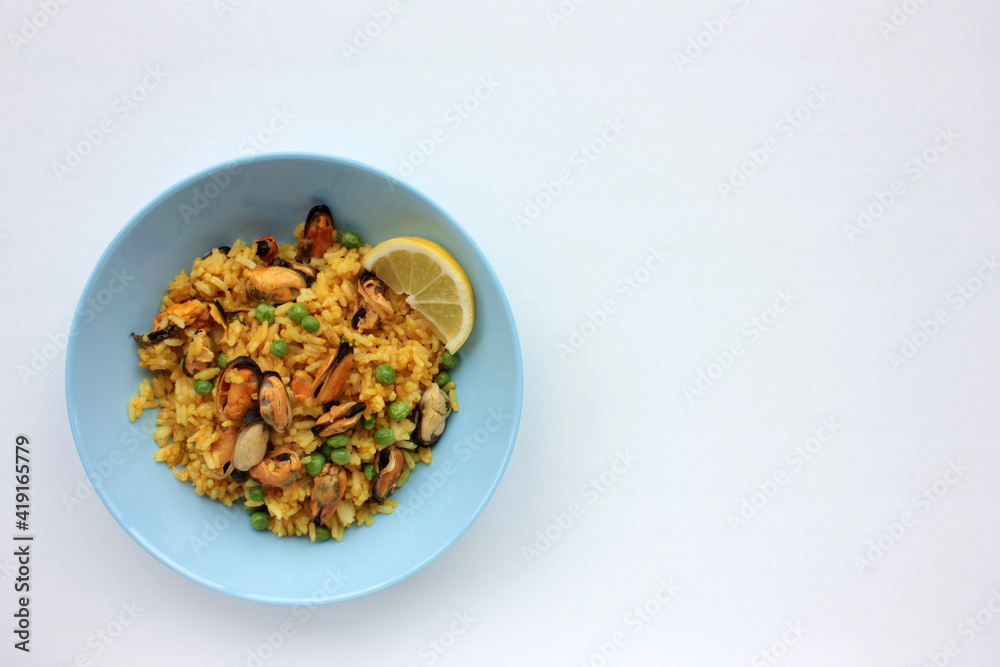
(258, 520)
(337, 441)
(369, 423)
(310, 324)
(255, 493)
(316, 463)
(398, 410)
(250, 510)
(370, 471)
(322, 534)
(203, 387)
(442, 378)
(350, 240)
(279, 348)
(296, 312)
(340, 456)
(449, 360)
(221, 360)
(385, 374)
(385, 436)
(265, 312)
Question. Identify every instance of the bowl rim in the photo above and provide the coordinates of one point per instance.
(187, 183)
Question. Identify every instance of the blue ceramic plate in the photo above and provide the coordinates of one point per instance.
(202, 539)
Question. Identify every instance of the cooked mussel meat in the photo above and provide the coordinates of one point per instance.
(266, 249)
(274, 284)
(301, 385)
(251, 442)
(370, 303)
(280, 468)
(275, 406)
(331, 377)
(328, 489)
(389, 464)
(185, 315)
(338, 419)
(308, 271)
(317, 236)
(431, 416)
(235, 389)
(220, 460)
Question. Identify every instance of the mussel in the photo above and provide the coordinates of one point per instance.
(275, 406)
(389, 464)
(266, 249)
(251, 442)
(317, 236)
(301, 385)
(274, 284)
(237, 384)
(370, 304)
(222, 452)
(192, 314)
(200, 353)
(331, 377)
(328, 488)
(281, 468)
(431, 416)
(308, 271)
(338, 419)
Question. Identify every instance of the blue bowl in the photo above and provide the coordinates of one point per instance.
(203, 539)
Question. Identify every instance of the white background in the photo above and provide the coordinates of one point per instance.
(617, 388)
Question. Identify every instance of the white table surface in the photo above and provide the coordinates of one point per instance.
(878, 548)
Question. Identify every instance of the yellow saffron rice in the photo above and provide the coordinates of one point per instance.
(188, 423)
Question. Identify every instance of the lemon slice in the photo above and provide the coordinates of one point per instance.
(435, 284)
